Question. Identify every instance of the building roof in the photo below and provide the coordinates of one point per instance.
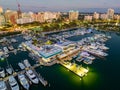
(49, 51)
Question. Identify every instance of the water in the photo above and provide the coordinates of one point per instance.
(103, 75)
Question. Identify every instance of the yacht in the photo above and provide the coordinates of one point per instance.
(2, 72)
(13, 40)
(9, 69)
(87, 61)
(5, 49)
(13, 83)
(32, 76)
(3, 85)
(27, 64)
(21, 65)
(23, 81)
(10, 48)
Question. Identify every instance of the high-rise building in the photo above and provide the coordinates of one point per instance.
(1, 9)
(11, 16)
(73, 15)
(96, 15)
(110, 13)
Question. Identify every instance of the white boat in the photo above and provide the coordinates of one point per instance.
(2, 72)
(23, 81)
(3, 85)
(103, 47)
(87, 61)
(10, 48)
(27, 64)
(13, 40)
(21, 65)
(91, 57)
(13, 83)
(32, 76)
(5, 49)
(9, 69)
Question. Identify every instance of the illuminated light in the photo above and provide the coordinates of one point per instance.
(79, 70)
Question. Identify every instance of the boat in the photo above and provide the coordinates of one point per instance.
(2, 72)
(26, 63)
(23, 81)
(13, 40)
(32, 77)
(13, 83)
(91, 57)
(5, 49)
(87, 61)
(10, 48)
(21, 65)
(3, 85)
(9, 69)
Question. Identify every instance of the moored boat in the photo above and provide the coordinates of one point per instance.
(21, 65)
(23, 81)
(13, 83)
(32, 76)
(26, 63)
(2, 72)
(3, 85)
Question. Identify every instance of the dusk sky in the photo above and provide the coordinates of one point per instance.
(37, 5)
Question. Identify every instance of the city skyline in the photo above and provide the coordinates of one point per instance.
(39, 5)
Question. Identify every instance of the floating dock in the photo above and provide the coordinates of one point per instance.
(77, 69)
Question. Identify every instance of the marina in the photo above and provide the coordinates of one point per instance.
(82, 46)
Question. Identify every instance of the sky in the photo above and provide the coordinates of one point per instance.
(59, 5)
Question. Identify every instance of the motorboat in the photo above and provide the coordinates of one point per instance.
(21, 65)
(9, 69)
(26, 63)
(3, 85)
(23, 81)
(32, 76)
(2, 72)
(87, 61)
(13, 83)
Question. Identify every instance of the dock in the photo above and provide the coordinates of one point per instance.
(78, 70)
(44, 82)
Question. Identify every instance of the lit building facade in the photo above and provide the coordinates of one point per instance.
(96, 15)
(103, 16)
(88, 18)
(11, 16)
(2, 20)
(73, 15)
(1, 9)
(110, 13)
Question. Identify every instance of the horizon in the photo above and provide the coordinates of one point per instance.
(64, 6)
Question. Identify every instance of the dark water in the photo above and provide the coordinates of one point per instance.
(103, 75)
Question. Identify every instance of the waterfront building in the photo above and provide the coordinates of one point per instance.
(110, 13)
(103, 16)
(69, 50)
(73, 15)
(96, 15)
(88, 18)
(47, 53)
